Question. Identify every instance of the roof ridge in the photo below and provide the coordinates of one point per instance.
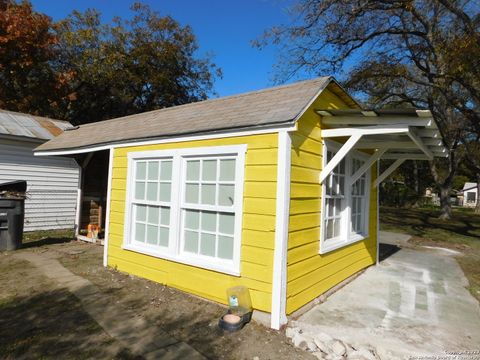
(264, 90)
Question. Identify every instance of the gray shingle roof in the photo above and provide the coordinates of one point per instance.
(263, 108)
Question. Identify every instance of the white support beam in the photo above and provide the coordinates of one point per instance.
(429, 133)
(377, 144)
(404, 156)
(377, 120)
(423, 113)
(420, 143)
(371, 160)
(367, 130)
(349, 144)
(388, 171)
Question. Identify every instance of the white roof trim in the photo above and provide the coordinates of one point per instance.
(185, 138)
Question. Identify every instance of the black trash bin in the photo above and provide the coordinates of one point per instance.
(12, 214)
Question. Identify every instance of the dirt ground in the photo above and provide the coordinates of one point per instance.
(39, 320)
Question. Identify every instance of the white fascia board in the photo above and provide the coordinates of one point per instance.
(279, 278)
(289, 127)
(377, 120)
(317, 94)
(107, 210)
(367, 130)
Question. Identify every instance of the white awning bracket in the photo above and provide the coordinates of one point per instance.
(344, 150)
(388, 171)
(371, 160)
(413, 135)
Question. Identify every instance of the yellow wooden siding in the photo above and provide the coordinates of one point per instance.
(310, 274)
(258, 225)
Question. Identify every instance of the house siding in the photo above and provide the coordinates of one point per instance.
(258, 226)
(52, 184)
(309, 274)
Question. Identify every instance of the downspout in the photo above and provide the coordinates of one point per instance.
(279, 279)
(107, 210)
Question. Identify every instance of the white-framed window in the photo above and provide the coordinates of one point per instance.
(345, 206)
(185, 205)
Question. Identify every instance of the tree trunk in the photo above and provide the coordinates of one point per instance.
(445, 205)
(416, 185)
(444, 183)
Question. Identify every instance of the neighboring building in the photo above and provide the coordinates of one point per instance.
(52, 183)
(229, 191)
(468, 196)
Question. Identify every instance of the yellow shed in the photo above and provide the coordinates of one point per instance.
(275, 190)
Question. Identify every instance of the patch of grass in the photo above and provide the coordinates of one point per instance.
(38, 320)
(461, 233)
(46, 237)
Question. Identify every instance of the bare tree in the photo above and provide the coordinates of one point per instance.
(423, 53)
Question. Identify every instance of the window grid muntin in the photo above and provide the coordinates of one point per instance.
(202, 208)
(200, 182)
(358, 198)
(150, 204)
(334, 199)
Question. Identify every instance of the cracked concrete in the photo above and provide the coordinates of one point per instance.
(133, 332)
(414, 303)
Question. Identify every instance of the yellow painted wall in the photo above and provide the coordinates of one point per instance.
(310, 274)
(258, 231)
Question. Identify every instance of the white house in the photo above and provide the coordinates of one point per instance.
(52, 182)
(470, 194)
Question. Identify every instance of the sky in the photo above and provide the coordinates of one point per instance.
(223, 27)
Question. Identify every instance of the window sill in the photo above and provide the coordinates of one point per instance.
(342, 242)
(187, 260)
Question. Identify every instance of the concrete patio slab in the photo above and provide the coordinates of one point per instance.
(414, 303)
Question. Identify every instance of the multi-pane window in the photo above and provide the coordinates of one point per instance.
(334, 199)
(185, 205)
(152, 201)
(208, 207)
(345, 205)
(358, 199)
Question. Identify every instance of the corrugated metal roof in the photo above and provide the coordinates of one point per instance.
(263, 108)
(17, 124)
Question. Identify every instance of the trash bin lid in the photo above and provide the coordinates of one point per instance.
(17, 185)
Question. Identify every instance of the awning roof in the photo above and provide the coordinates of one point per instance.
(399, 134)
(422, 141)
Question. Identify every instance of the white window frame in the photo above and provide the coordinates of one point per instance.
(174, 252)
(347, 237)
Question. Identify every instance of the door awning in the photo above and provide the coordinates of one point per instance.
(398, 134)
